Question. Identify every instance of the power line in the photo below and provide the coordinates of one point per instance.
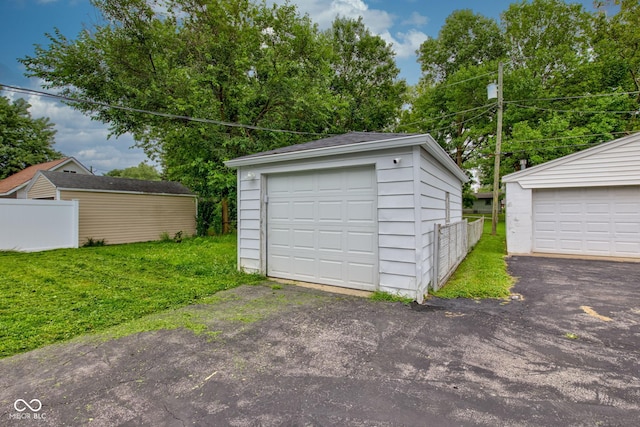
(17, 89)
(467, 120)
(565, 137)
(433, 119)
(560, 98)
(533, 107)
(465, 80)
(593, 144)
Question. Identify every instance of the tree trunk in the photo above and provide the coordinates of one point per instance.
(225, 216)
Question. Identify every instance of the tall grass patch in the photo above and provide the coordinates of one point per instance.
(483, 273)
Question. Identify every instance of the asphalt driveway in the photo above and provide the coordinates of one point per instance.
(566, 353)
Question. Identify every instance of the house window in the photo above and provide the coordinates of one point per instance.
(447, 208)
(68, 171)
(487, 202)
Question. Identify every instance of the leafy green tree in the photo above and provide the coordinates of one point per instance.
(24, 141)
(368, 92)
(142, 171)
(556, 55)
(450, 102)
(245, 70)
(465, 39)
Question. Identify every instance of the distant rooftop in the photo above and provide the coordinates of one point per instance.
(12, 182)
(109, 183)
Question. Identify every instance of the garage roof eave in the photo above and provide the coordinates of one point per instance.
(424, 139)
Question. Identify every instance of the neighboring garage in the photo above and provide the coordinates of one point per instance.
(587, 203)
(355, 210)
(120, 210)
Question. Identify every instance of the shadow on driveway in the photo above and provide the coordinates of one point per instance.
(295, 356)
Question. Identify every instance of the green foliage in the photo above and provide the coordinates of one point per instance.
(554, 53)
(55, 295)
(142, 171)
(386, 296)
(91, 242)
(365, 81)
(483, 273)
(235, 61)
(24, 141)
(209, 220)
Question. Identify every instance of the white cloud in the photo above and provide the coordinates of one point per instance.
(85, 139)
(405, 44)
(416, 19)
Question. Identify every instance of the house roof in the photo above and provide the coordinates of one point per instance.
(19, 179)
(350, 143)
(616, 162)
(485, 195)
(72, 181)
(337, 140)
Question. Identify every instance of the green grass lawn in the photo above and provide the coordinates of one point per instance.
(483, 273)
(52, 296)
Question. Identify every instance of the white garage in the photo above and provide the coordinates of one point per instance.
(355, 210)
(585, 204)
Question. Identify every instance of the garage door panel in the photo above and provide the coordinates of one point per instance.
(301, 184)
(303, 239)
(591, 221)
(569, 208)
(362, 243)
(302, 211)
(598, 228)
(361, 273)
(279, 211)
(330, 240)
(279, 237)
(329, 232)
(571, 227)
(622, 228)
(330, 211)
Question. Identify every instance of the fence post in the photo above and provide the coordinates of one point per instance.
(436, 257)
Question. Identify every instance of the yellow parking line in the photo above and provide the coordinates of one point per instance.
(591, 312)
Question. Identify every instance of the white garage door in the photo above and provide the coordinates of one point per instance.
(588, 221)
(322, 227)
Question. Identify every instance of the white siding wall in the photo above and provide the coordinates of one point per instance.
(611, 164)
(249, 222)
(396, 223)
(519, 219)
(405, 221)
(435, 183)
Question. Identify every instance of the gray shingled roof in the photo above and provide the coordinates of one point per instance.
(93, 182)
(345, 139)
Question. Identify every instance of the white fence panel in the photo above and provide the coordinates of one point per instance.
(452, 243)
(37, 225)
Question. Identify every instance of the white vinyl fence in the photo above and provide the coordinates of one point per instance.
(452, 243)
(37, 225)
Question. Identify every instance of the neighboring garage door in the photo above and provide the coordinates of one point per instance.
(602, 221)
(322, 227)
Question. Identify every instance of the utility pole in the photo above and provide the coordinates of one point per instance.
(496, 163)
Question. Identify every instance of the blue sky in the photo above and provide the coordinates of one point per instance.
(405, 23)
